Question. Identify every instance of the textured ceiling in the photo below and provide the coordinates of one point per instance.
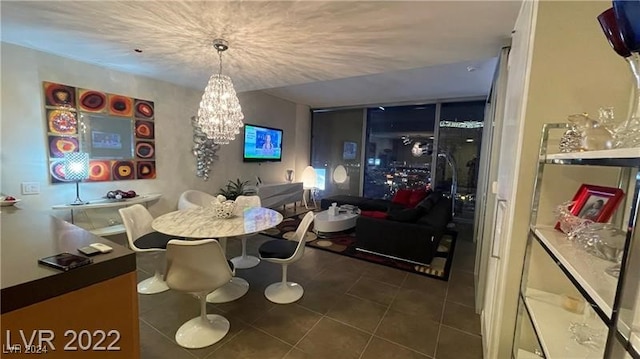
(272, 44)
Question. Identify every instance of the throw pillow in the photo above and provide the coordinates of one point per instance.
(374, 214)
(429, 201)
(402, 196)
(416, 196)
(406, 215)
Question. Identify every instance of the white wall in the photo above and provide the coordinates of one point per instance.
(23, 134)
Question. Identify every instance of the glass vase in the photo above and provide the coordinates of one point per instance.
(627, 134)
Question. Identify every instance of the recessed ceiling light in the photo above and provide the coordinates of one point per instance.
(469, 139)
(380, 107)
(137, 50)
(471, 68)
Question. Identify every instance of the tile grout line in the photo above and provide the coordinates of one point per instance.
(373, 333)
(269, 334)
(295, 346)
(444, 307)
(462, 331)
(170, 340)
(404, 346)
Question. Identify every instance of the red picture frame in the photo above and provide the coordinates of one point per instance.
(595, 203)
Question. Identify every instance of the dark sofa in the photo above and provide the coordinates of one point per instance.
(398, 236)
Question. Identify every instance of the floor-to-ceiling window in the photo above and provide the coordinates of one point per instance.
(459, 139)
(336, 140)
(399, 149)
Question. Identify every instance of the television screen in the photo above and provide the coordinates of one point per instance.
(105, 140)
(321, 178)
(107, 137)
(262, 144)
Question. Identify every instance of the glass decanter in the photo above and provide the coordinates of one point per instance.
(627, 134)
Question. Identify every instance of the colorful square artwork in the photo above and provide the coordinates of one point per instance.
(117, 131)
(62, 122)
(56, 171)
(120, 106)
(91, 101)
(123, 170)
(144, 109)
(146, 170)
(145, 129)
(57, 95)
(59, 145)
(145, 150)
(99, 171)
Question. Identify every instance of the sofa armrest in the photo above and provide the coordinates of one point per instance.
(415, 242)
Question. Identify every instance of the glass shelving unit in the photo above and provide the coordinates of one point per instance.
(573, 308)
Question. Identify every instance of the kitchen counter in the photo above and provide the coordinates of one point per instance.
(99, 299)
(26, 236)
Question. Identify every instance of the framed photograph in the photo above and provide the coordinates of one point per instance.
(595, 203)
(349, 151)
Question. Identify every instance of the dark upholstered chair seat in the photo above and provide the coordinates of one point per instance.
(230, 265)
(279, 248)
(154, 240)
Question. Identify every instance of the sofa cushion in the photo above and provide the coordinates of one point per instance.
(428, 202)
(374, 214)
(439, 215)
(410, 215)
(365, 204)
(417, 196)
(402, 196)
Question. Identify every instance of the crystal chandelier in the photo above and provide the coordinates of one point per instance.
(220, 116)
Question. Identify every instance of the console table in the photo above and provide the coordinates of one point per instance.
(279, 194)
(107, 203)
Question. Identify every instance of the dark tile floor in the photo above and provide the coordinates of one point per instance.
(350, 309)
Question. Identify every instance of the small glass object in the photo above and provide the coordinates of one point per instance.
(605, 241)
(595, 136)
(586, 335)
(569, 223)
(571, 140)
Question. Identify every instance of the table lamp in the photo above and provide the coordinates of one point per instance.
(76, 168)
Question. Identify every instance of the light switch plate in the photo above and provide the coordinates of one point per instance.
(30, 188)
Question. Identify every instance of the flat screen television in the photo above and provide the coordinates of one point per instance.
(262, 144)
(107, 137)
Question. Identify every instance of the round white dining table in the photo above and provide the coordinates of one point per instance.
(198, 223)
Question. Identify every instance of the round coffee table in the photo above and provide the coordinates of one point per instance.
(325, 223)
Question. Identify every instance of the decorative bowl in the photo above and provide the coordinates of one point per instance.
(7, 203)
(224, 209)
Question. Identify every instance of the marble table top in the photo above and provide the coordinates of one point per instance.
(200, 223)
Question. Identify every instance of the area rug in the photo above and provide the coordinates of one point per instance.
(344, 243)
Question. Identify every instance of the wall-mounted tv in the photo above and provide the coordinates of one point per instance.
(107, 137)
(262, 144)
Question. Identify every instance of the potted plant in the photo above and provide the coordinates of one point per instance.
(233, 189)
